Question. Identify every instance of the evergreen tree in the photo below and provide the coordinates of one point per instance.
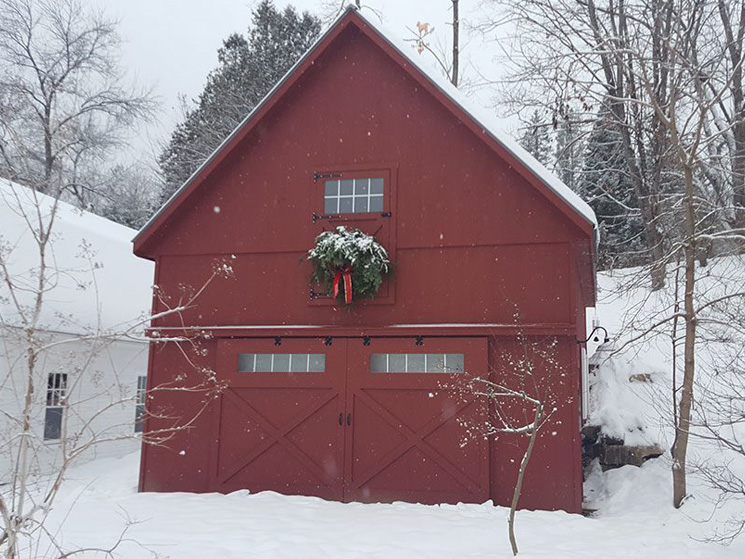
(536, 139)
(248, 68)
(605, 184)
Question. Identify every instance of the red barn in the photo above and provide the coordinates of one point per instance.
(352, 402)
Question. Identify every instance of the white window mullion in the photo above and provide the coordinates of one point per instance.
(369, 188)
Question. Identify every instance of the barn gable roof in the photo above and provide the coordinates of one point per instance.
(480, 122)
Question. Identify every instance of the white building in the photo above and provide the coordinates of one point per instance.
(92, 357)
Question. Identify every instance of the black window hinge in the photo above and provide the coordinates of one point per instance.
(386, 214)
(419, 340)
(277, 340)
(317, 175)
(316, 217)
(328, 340)
(318, 294)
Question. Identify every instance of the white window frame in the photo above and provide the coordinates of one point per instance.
(140, 399)
(354, 196)
(55, 400)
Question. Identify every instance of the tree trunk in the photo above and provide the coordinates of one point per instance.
(521, 474)
(734, 47)
(682, 428)
(456, 45)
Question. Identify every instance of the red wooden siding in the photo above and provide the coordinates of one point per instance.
(474, 242)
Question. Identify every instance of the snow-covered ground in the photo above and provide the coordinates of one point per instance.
(635, 519)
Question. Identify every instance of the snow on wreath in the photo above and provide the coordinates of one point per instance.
(349, 262)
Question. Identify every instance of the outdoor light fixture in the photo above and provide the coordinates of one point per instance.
(595, 337)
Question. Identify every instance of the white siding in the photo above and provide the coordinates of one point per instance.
(102, 382)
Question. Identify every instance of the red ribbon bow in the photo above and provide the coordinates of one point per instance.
(346, 272)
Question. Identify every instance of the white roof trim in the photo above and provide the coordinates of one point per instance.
(486, 121)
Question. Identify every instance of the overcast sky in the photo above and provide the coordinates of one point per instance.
(171, 45)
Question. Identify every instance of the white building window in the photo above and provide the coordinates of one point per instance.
(348, 196)
(55, 409)
(140, 403)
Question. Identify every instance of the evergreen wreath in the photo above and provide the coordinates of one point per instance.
(349, 258)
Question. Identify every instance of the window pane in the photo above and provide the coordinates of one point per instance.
(435, 363)
(139, 418)
(397, 363)
(378, 363)
(416, 363)
(376, 186)
(281, 363)
(299, 363)
(332, 188)
(141, 390)
(246, 363)
(454, 363)
(263, 363)
(53, 423)
(376, 204)
(360, 205)
(347, 188)
(317, 363)
(329, 206)
(345, 205)
(361, 186)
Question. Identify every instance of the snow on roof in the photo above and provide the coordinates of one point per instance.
(484, 118)
(480, 115)
(95, 282)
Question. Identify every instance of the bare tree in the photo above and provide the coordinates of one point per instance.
(421, 39)
(63, 102)
(666, 78)
(87, 406)
(519, 402)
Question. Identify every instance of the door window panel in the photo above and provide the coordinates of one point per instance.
(281, 363)
(444, 363)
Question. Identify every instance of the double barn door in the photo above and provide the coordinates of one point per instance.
(356, 420)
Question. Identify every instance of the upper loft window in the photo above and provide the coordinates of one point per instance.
(358, 195)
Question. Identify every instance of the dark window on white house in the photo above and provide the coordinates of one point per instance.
(56, 394)
(140, 403)
(447, 363)
(281, 363)
(348, 196)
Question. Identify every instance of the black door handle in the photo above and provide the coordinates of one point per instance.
(349, 419)
(341, 419)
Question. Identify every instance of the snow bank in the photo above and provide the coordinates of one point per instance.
(100, 498)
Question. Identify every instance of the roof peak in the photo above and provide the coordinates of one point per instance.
(485, 122)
